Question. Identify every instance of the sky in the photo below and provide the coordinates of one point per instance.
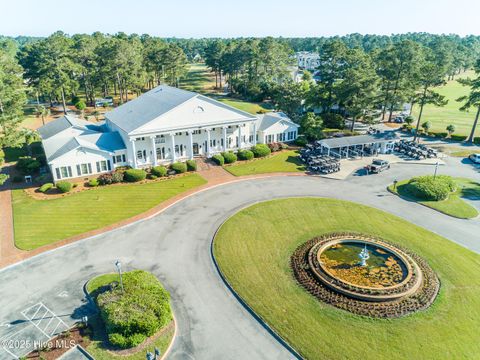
(241, 18)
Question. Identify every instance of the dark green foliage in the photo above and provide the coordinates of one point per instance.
(245, 154)
(17, 179)
(159, 171)
(179, 167)
(45, 187)
(458, 137)
(134, 175)
(218, 159)
(428, 188)
(191, 165)
(80, 105)
(301, 141)
(333, 121)
(139, 312)
(93, 182)
(229, 157)
(261, 150)
(64, 186)
(27, 165)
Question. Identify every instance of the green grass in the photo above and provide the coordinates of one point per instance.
(454, 205)
(255, 260)
(441, 117)
(198, 79)
(250, 107)
(41, 222)
(97, 345)
(285, 161)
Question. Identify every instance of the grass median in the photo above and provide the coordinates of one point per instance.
(284, 161)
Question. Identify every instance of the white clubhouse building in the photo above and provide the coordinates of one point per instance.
(162, 126)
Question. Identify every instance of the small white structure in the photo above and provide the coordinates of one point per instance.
(162, 126)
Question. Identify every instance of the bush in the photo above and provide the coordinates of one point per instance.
(93, 182)
(27, 165)
(301, 141)
(179, 167)
(17, 179)
(3, 178)
(152, 177)
(476, 140)
(42, 179)
(409, 120)
(428, 188)
(141, 311)
(45, 187)
(159, 171)
(64, 186)
(134, 175)
(260, 150)
(229, 157)
(117, 177)
(245, 155)
(191, 165)
(274, 147)
(105, 179)
(458, 137)
(218, 159)
(80, 105)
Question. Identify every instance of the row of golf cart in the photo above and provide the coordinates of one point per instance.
(415, 150)
(317, 162)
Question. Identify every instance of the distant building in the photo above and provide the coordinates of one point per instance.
(308, 60)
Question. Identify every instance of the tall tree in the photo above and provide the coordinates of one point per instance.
(472, 99)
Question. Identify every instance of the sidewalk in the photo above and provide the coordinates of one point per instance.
(9, 254)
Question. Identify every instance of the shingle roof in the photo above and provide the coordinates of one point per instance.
(148, 106)
(269, 119)
(358, 140)
(110, 141)
(58, 125)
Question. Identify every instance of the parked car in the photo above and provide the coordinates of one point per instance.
(377, 166)
(475, 158)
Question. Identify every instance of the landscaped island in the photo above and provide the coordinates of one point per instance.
(130, 314)
(255, 260)
(442, 193)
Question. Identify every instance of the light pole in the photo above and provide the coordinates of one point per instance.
(435, 173)
(118, 265)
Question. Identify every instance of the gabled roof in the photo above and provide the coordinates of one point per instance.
(167, 108)
(267, 120)
(63, 123)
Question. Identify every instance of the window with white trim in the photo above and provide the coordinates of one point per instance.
(63, 172)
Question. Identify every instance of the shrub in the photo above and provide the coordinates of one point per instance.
(458, 137)
(42, 178)
(152, 177)
(426, 126)
(27, 165)
(2, 153)
(64, 186)
(191, 165)
(93, 182)
(245, 155)
(476, 140)
(432, 189)
(159, 171)
(117, 177)
(301, 141)
(139, 312)
(218, 159)
(3, 178)
(45, 187)
(134, 175)
(105, 179)
(229, 157)
(260, 150)
(451, 129)
(80, 105)
(274, 147)
(17, 179)
(409, 120)
(283, 146)
(179, 167)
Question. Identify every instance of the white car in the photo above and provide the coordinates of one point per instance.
(475, 158)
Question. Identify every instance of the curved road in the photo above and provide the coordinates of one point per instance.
(175, 246)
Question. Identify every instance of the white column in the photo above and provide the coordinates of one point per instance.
(254, 134)
(154, 151)
(239, 136)
(224, 134)
(190, 143)
(172, 139)
(134, 154)
(208, 142)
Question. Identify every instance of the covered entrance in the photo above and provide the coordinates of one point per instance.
(196, 150)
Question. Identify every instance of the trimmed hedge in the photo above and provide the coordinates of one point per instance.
(245, 154)
(229, 157)
(179, 167)
(261, 150)
(93, 182)
(141, 311)
(191, 165)
(45, 187)
(218, 159)
(27, 165)
(428, 188)
(159, 171)
(64, 186)
(134, 175)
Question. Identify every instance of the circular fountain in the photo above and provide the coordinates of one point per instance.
(365, 275)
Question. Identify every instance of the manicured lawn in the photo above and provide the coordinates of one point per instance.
(256, 261)
(250, 107)
(97, 347)
(41, 222)
(285, 161)
(198, 79)
(441, 117)
(454, 205)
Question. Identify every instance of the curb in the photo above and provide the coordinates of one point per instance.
(269, 329)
